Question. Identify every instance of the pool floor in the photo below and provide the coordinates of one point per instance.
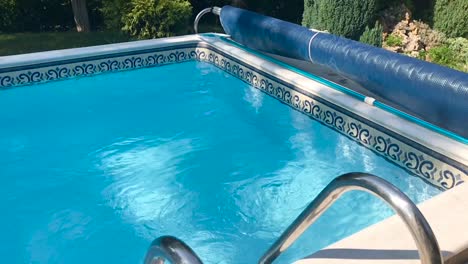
(93, 169)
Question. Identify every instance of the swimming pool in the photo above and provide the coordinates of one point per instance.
(95, 168)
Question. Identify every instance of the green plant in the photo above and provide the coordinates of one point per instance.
(442, 55)
(422, 55)
(157, 18)
(373, 36)
(460, 47)
(347, 18)
(394, 40)
(113, 12)
(450, 17)
(452, 54)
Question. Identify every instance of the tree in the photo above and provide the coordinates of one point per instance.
(114, 11)
(372, 36)
(80, 14)
(157, 19)
(347, 18)
(450, 17)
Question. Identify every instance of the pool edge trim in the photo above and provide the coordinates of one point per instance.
(438, 159)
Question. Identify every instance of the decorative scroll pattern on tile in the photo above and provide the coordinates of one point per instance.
(87, 68)
(425, 166)
(422, 164)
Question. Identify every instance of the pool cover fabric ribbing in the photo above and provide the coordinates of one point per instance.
(437, 94)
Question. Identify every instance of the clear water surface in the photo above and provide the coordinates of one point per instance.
(93, 169)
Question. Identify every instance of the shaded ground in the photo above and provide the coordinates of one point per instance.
(18, 43)
(11, 44)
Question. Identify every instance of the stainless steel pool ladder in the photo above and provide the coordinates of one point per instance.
(179, 253)
(215, 10)
(172, 249)
(427, 245)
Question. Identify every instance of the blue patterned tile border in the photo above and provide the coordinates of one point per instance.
(435, 168)
(70, 69)
(424, 164)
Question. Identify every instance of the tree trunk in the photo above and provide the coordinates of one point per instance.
(80, 13)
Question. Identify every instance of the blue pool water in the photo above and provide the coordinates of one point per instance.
(93, 169)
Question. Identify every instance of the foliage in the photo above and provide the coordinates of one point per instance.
(43, 15)
(394, 40)
(96, 18)
(420, 9)
(460, 47)
(373, 36)
(340, 17)
(389, 3)
(289, 10)
(8, 15)
(453, 53)
(199, 5)
(157, 18)
(450, 17)
(113, 11)
(442, 55)
(37, 15)
(422, 55)
(18, 43)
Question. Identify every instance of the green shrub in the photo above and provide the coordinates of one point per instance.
(453, 54)
(157, 18)
(347, 18)
(373, 36)
(460, 47)
(113, 12)
(450, 17)
(394, 40)
(422, 55)
(442, 55)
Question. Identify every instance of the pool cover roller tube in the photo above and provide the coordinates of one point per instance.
(434, 93)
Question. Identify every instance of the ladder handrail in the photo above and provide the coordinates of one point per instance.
(173, 249)
(215, 10)
(422, 233)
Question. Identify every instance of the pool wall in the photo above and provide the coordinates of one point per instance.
(440, 160)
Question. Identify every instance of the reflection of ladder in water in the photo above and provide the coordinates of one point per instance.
(179, 253)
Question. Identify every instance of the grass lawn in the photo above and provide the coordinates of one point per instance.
(18, 43)
(11, 44)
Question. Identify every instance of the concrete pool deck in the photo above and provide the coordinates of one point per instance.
(390, 242)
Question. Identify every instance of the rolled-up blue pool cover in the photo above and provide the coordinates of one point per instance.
(434, 93)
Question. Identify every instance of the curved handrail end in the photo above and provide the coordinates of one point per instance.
(171, 248)
(426, 242)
